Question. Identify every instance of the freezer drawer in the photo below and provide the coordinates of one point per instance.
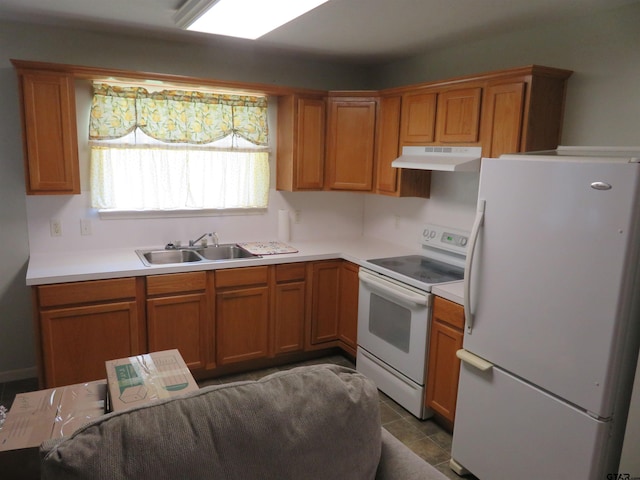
(506, 428)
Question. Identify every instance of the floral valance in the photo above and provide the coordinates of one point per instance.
(176, 116)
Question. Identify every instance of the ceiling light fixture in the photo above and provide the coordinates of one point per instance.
(241, 18)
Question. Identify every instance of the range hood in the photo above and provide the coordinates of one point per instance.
(443, 159)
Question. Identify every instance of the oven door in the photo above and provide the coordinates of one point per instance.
(393, 323)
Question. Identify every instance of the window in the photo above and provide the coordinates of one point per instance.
(177, 150)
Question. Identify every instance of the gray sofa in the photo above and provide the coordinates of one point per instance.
(318, 422)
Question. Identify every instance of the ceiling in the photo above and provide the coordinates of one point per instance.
(364, 31)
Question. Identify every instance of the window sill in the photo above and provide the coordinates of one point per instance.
(136, 214)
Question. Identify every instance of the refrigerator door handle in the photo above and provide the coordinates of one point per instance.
(473, 237)
(474, 360)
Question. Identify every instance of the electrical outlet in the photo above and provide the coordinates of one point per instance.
(396, 221)
(296, 216)
(85, 226)
(55, 226)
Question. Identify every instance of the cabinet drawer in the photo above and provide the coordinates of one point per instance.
(448, 312)
(176, 283)
(234, 277)
(289, 272)
(86, 292)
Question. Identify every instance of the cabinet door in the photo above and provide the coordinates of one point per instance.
(301, 143)
(502, 115)
(348, 327)
(289, 306)
(50, 133)
(418, 118)
(388, 144)
(325, 301)
(179, 316)
(242, 324)
(180, 322)
(444, 367)
(77, 341)
(350, 143)
(458, 115)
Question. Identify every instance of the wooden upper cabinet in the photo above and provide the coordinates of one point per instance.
(350, 143)
(417, 125)
(523, 112)
(49, 132)
(502, 118)
(301, 141)
(389, 180)
(458, 115)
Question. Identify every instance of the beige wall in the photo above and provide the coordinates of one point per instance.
(603, 106)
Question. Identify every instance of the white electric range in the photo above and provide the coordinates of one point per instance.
(394, 313)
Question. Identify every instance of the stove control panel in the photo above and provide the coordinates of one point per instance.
(445, 238)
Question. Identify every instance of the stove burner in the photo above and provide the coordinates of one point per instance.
(421, 268)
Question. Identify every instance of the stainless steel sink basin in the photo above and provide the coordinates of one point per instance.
(224, 252)
(215, 253)
(160, 257)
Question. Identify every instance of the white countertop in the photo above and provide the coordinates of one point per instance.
(48, 268)
(451, 291)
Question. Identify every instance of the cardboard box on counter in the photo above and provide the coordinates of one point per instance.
(144, 378)
(38, 416)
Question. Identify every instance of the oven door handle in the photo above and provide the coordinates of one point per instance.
(391, 291)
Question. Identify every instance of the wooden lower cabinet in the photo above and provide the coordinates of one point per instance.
(443, 366)
(334, 304)
(289, 302)
(179, 316)
(214, 318)
(242, 314)
(325, 301)
(81, 325)
(348, 325)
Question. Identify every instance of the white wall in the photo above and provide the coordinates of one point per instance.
(602, 108)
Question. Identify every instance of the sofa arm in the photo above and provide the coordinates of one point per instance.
(398, 462)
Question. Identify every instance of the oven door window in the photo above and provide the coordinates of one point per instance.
(390, 322)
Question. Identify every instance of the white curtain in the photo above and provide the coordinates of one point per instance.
(152, 177)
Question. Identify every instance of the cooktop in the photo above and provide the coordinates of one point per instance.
(421, 268)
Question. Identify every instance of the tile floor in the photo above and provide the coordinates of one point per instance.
(424, 437)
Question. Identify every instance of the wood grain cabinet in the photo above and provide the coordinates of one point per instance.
(351, 135)
(50, 138)
(81, 325)
(443, 370)
(348, 323)
(523, 111)
(179, 316)
(289, 307)
(301, 143)
(242, 314)
(325, 301)
(458, 115)
(334, 305)
(418, 122)
(399, 182)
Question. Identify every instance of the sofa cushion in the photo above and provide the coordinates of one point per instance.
(316, 422)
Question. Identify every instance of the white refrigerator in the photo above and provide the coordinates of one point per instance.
(552, 306)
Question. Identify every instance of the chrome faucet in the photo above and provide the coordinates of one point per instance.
(213, 235)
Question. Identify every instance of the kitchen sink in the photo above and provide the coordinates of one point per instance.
(215, 253)
(224, 252)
